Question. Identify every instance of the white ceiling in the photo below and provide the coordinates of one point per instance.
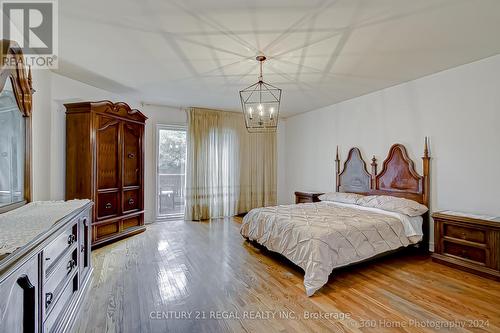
(202, 52)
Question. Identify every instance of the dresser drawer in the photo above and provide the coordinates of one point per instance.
(60, 305)
(130, 201)
(104, 230)
(469, 234)
(58, 278)
(53, 252)
(131, 222)
(107, 204)
(475, 254)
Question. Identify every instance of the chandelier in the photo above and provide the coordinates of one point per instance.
(261, 104)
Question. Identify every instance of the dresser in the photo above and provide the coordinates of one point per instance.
(45, 266)
(105, 163)
(468, 242)
(303, 197)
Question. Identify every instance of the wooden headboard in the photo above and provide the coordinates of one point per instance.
(354, 177)
(397, 178)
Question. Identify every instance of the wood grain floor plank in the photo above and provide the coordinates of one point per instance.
(203, 277)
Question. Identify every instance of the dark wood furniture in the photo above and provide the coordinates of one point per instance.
(303, 197)
(470, 243)
(398, 178)
(105, 163)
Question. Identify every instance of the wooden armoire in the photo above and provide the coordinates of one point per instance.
(105, 163)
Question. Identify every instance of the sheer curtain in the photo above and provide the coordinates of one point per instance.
(229, 171)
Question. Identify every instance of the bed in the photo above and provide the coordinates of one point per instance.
(322, 236)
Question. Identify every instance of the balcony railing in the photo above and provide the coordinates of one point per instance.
(171, 194)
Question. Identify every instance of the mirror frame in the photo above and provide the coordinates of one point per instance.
(12, 67)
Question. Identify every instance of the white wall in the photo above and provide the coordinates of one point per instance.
(459, 109)
(282, 190)
(41, 135)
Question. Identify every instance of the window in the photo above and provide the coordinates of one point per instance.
(171, 171)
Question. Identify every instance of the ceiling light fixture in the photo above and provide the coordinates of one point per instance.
(263, 98)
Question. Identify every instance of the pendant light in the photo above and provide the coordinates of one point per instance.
(261, 104)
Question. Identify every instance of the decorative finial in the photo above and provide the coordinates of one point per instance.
(337, 156)
(426, 148)
(374, 169)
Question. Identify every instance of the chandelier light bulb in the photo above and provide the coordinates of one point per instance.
(250, 111)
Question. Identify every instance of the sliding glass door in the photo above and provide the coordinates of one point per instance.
(171, 171)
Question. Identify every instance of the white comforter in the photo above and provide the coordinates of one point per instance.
(319, 237)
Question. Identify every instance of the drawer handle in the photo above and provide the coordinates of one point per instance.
(131, 201)
(131, 155)
(48, 299)
(464, 235)
(29, 303)
(71, 239)
(108, 205)
(464, 253)
(71, 264)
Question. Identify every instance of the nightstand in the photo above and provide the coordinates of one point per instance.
(303, 197)
(468, 242)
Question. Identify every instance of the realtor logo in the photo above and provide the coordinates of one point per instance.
(33, 25)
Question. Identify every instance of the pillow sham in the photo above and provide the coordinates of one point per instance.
(350, 198)
(393, 204)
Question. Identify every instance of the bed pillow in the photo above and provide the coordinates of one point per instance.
(350, 198)
(393, 204)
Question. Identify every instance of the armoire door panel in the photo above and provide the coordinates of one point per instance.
(132, 154)
(108, 152)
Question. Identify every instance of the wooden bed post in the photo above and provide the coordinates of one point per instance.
(425, 197)
(426, 164)
(337, 171)
(374, 172)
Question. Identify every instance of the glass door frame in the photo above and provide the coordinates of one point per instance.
(159, 127)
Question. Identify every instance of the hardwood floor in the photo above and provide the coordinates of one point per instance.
(203, 277)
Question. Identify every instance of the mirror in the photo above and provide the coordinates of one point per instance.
(12, 148)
